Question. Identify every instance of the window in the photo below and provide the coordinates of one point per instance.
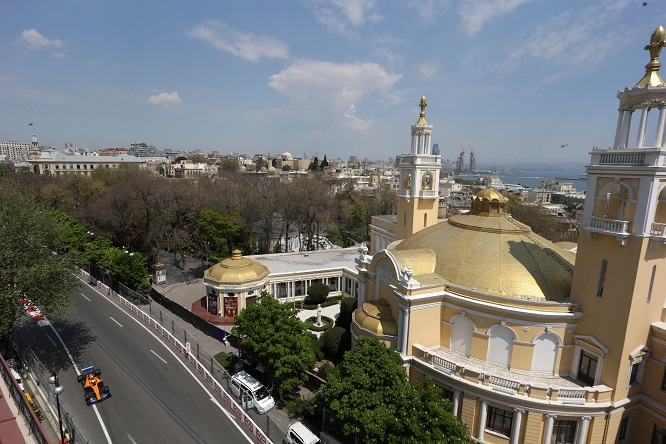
(447, 394)
(404, 219)
(624, 427)
(658, 435)
(602, 278)
(654, 271)
(633, 377)
(587, 367)
(563, 432)
(499, 421)
(425, 220)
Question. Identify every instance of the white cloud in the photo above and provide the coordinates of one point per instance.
(245, 45)
(573, 42)
(32, 39)
(165, 98)
(345, 16)
(475, 13)
(428, 10)
(427, 70)
(58, 55)
(318, 87)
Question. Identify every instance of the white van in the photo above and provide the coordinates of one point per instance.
(299, 434)
(251, 392)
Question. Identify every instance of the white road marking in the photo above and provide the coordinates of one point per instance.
(121, 325)
(131, 439)
(160, 358)
(71, 359)
(231, 417)
(51, 339)
(87, 299)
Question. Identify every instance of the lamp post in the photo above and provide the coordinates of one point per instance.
(57, 390)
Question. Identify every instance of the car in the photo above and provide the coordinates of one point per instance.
(299, 434)
(94, 390)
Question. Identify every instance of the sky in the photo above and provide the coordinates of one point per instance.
(512, 80)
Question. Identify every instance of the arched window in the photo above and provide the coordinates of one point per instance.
(461, 334)
(500, 345)
(545, 352)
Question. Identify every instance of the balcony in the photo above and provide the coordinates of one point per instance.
(404, 193)
(626, 158)
(617, 228)
(657, 235)
(428, 194)
(539, 387)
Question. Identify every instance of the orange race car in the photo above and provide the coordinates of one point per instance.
(94, 390)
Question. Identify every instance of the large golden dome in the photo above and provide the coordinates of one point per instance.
(236, 270)
(376, 317)
(489, 252)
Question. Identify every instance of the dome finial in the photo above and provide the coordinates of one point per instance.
(652, 76)
(422, 120)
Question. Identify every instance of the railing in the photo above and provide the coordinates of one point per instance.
(442, 363)
(610, 225)
(622, 159)
(404, 193)
(658, 230)
(571, 394)
(428, 193)
(506, 384)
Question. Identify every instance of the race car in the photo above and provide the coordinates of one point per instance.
(94, 390)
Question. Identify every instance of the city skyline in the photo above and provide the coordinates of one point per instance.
(509, 79)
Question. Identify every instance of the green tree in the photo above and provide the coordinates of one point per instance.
(324, 163)
(129, 268)
(229, 164)
(369, 393)
(314, 165)
(335, 340)
(28, 266)
(72, 237)
(347, 307)
(317, 293)
(272, 335)
(216, 226)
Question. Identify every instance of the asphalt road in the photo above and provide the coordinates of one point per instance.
(156, 398)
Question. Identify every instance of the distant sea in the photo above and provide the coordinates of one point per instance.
(532, 179)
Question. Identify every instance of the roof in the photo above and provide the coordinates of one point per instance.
(489, 252)
(236, 270)
(57, 156)
(309, 261)
(375, 316)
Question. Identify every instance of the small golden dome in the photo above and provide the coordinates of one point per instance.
(422, 120)
(376, 317)
(489, 202)
(236, 270)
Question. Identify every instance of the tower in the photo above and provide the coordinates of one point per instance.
(34, 145)
(620, 277)
(418, 196)
(472, 162)
(461, 161)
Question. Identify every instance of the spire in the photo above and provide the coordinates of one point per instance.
(652, 76)
(422, 120)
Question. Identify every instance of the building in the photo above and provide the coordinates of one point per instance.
(140, 149)
(532, 343)
(14, 151)
(112, 152)
(56, 163)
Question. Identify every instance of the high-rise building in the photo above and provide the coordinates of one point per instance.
(435, 149)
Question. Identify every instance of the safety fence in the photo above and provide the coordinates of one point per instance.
(25, 409)
(205, 364)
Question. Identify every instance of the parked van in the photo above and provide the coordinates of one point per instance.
(251, 392)
(299, 434)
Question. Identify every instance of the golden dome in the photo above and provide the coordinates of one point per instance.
(376, 317)
(422, 120)
(495, 255)
(236, 270)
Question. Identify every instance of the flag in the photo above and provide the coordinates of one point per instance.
(30, 124)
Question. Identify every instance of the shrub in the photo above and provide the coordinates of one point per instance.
(317, 293)
(347, 307)
(333, 339)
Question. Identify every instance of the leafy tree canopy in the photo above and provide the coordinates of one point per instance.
(28, 266)
(317, 293)
(272, 335)
(221, 228)
(369, 393)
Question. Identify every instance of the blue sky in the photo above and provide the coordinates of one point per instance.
(511, 79)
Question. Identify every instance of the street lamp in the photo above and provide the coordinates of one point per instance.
(57, 390)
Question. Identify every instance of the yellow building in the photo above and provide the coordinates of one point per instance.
(530, 347)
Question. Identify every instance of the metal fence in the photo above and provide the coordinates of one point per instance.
(36, 430)
(40, 373)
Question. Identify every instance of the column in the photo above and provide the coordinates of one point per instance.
(548, 430)
(456, 402)
(405, 329)
(640, 139)
(482, 419)
(659, 134)
(515, 431)
(618, 129)
(361, 291)
(582, 431)
(626, 127)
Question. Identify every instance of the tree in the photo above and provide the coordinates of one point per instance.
(220, 228)
(369, 394)
(347, 307)
(324, 163)
(317, 293)
(28, 266)
(314, 165)
(335, 341)
(272, 335)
